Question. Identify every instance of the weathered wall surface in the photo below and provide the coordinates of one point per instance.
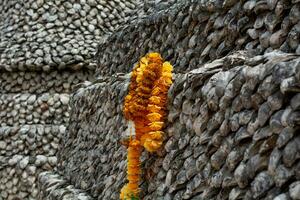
(46, 49)
(54, 186)
(233, 124)
(34, 114)
(26, 151)
(190, 33)
(152, 6)
(42, 82)
(37, 98)
(233, 133)
(99, 127)
(56, 34)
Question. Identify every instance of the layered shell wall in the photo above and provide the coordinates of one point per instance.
(234, 116)
(233, 123)
(233, 133)
(190, 33)
(34, 114)
(46, 49)
(43, 35)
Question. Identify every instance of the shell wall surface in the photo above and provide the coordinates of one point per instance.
(190, 33)
(34, 114)
(233, 123)
(233, 133)
(57, 34)
(46, 49)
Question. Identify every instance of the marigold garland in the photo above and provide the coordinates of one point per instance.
(133, 170)
(145, 105)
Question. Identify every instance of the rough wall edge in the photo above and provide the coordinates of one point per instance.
(152, 18)
(54, 186)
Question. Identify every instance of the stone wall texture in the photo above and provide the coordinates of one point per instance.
(233, 133)
(190, 33)
(234, 108)
(43, 35)
(46, 49)
(34, 114)
(234, 115)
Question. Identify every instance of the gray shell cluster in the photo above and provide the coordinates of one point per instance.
(34, 114)
(47, 108)
(152, 6)
(59, 188)
(44, 35)
(26, 151)
(232, 133)
(46, 49)
(190, 33)
(30, 82)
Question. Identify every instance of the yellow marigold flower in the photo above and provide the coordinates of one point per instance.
(128, 97)
(156, 126)
(145, 105)
(156, 135)
(156, 91)
(144, 61)
(154, 117)
(152, 136)
(154, 99)
(155, 57)
(167, 67)
(152, 145)
(166, 82)
(166, 75)
(144, 89)
(154, 108)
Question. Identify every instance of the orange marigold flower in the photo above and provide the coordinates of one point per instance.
(156, 91)
(154, 117)
(156, 126)
(154, 108)
(156, 135)
(154, 99)
(154, 57)
(167, 67)
(145, 105)
(152, 146)
(144, 89)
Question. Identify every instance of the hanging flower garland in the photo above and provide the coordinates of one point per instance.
(145, 109)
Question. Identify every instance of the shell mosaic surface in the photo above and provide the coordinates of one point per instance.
(233, 124)
(233, 133)
(190, 33)
(34, 114)
(46, 49)
(44, 35)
